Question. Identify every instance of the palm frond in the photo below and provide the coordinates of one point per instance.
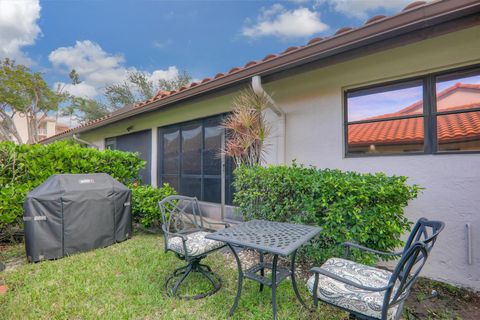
(246, 128)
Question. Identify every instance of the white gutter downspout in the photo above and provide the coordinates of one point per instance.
(76, 138)
(258, 89)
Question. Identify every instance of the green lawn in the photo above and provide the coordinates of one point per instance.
(125, 281)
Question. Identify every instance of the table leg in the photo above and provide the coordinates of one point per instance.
(274, 286)
(240, 280)
(294, 281)
(262, 271)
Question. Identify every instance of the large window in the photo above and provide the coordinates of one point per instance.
(190, 161)
(437, 113)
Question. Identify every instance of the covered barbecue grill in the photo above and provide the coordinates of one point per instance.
(72, 213)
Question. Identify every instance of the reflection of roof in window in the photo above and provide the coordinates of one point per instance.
(450, 128)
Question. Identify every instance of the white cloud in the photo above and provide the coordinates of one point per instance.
(90, 60)
(280, 22)
(82, 89)
(362, 8)
(18, 28)
(168, 74)
(161, 44)
(97, 68)
(71, 122)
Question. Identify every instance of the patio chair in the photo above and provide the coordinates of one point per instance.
(185, 229)
(371, 293)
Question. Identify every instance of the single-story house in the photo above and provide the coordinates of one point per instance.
(399, 94)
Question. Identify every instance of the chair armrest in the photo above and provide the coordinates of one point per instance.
(324, 272)
(173, 235)
(349, 245)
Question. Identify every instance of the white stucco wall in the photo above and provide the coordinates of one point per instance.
(314, 136)
(50, 126)
(21, 124)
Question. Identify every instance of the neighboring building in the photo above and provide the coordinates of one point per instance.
(47, 127)
(399, 95)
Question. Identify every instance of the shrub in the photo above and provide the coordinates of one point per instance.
(349, 206)
(24, 167)
(145, 203)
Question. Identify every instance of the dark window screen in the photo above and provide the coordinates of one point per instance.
(190, 160)
(140, 142)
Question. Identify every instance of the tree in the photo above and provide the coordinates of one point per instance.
(84, 110)
(74, 77)
(24, 93)
(138, 87)
(79, 108)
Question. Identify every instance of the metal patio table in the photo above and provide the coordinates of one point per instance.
(266, 237)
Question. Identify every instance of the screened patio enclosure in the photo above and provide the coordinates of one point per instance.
(189, 159)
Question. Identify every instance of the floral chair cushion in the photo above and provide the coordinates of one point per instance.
(196, 244)
(352, 298)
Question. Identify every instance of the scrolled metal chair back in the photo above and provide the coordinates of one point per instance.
(181, 214)
(404, 276)
(426, 231)
(417, 248)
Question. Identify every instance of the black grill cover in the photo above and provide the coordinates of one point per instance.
(71, 213)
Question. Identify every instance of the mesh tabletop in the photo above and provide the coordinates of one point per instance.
(273, 237)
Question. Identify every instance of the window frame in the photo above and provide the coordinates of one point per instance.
(429, 113)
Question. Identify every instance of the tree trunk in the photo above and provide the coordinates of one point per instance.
(33, 120)
(32, 128)
(8, 128)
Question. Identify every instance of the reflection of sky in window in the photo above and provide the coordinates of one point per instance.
(191, 132)
(363, 107)
(442, 85)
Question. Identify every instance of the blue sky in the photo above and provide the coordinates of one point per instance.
(105, 39)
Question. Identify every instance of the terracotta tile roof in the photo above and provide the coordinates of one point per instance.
(317, 42)
(450, 128)
(459, 126)
(386, 132)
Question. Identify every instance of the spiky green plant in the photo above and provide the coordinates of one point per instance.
(247, 128)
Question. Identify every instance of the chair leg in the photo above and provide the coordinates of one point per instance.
(182, 274)
(215, 280)
(181, 279)
(205, 267)
(180, 270)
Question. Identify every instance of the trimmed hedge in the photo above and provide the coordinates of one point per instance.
(349, 206)
(24, 167)
(145, 204)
